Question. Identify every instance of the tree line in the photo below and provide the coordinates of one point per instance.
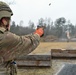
(57, 28)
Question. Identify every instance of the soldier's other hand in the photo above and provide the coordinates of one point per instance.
(39, 31)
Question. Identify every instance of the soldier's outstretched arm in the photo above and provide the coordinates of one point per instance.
(13, 46)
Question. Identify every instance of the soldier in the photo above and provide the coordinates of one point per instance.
(11, 45)
(68, 36)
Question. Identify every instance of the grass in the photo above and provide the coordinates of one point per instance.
(45, 47)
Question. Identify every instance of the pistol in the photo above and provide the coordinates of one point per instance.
(41, 26)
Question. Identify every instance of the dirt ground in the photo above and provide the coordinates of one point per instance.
(44, 48)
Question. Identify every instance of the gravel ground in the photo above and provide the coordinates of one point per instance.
(67, 69)
(56, 66)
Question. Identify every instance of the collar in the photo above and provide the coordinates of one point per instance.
(2, 29)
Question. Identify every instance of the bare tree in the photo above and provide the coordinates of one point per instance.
(9, 2)
(21, 23)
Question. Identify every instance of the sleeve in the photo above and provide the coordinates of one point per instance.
(14, 46)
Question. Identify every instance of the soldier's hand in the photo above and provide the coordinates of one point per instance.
(39, 31)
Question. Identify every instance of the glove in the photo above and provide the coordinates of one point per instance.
(39, 31)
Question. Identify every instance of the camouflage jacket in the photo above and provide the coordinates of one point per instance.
(13, 46)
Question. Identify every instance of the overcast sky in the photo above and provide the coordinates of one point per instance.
(35, 9)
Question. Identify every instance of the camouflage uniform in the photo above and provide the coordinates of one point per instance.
(13, 46)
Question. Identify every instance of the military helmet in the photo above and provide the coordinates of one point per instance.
(5, 10)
